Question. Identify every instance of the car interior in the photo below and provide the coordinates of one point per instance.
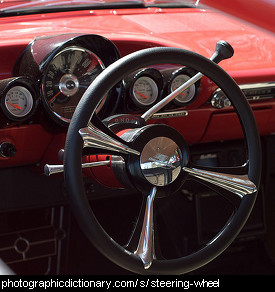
(136, 137)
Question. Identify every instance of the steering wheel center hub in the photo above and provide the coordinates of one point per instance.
(163, 153)
(160, 161)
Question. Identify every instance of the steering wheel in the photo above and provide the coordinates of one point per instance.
(140, 146)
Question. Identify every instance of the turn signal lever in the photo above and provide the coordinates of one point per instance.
(223, 51)
(58, 168)
(53, 169)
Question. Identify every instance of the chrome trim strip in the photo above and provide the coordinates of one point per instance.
(170, 114)
(252, 86)
(257, 85)
(237, 184)
(145, 249)
(249, 86)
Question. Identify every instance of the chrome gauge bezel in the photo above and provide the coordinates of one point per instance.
(19, 99)
(154, 83)
(190, 93)
(148, 95)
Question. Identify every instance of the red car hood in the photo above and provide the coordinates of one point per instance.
(194, 29)
(200, 30)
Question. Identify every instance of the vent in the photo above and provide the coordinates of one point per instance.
(27, 244)
(30, 240)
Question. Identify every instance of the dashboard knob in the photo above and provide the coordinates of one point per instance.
(219, 100)
(7, 149)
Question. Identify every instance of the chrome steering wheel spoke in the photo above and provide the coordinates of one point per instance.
(95, 138)
(145, 249)
(239, 185)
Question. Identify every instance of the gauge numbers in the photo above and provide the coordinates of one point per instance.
(18, 101)
(144, 91)
(66, 78)
(187, 95)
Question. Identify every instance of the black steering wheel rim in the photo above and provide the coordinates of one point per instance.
(73, 157)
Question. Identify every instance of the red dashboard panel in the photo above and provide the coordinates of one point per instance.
(30, 142)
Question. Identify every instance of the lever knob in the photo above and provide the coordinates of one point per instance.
(223, 51)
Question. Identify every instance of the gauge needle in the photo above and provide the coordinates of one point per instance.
(182, 93)
(15, 105)
(141, 94)
(54, 97)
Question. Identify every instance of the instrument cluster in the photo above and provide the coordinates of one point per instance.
(53, 73)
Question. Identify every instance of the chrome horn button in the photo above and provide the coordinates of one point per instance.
(160, 161)
(163, 154)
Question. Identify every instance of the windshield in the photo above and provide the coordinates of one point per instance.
(17, 7)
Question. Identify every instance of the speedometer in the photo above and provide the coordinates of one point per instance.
(66, 78)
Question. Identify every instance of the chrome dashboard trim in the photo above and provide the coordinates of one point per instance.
(170, 114)
(220, 100)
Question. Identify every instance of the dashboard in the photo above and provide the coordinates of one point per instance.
(49, 82)
(57, 79)
(44, 74)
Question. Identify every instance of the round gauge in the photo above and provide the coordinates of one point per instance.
(18, 102)
(185, 96)
(66, 78)
(144, 91)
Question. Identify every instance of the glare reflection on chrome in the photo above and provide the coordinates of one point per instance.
(160, 161)
(240, 185)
